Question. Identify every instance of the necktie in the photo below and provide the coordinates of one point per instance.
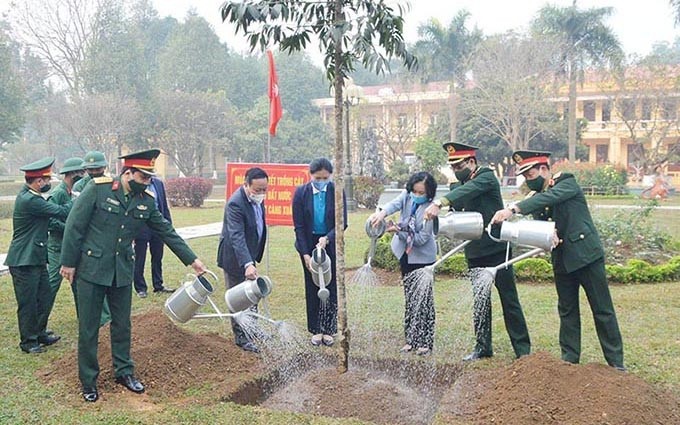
(258, 220)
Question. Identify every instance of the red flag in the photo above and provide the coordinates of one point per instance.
(275, 109)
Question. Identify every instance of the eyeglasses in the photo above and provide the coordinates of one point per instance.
(459, 166)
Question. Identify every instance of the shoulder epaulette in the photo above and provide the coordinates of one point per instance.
(530, 194)
(150, 193)
(102, 180)
(557, 175)
(34, 192)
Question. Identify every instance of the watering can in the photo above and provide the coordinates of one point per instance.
(321, 272)
(247, 293)
(534, 233)
(460, 225)
(192, 295)
(374, 232)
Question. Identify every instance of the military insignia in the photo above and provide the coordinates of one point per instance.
(115, 185)
(450, 148)
(530, 194)
(34, 192)
(112, 201)
(102, 180)
(557, 175)
(517, 158)
(150, 193)
(142, 207)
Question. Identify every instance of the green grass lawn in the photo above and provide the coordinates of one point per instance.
(649, 316)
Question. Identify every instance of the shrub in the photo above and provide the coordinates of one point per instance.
(534, 270)
(607, 179)
(639, 271)
(367, 191)
(6, 209)
(399, 172)
(454, 265)
(187, 191)
(384, 258)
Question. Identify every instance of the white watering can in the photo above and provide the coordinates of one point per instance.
(321, 272)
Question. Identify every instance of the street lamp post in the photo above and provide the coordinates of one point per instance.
(353, 94)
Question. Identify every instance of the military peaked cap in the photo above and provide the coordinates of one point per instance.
(525, 160)
(459, 152)
(39, 168)
(143, 161)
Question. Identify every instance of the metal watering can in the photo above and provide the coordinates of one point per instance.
(374, 233)
(534, 233)
(460, 225)
(247, 294)
(192, 295)
(321, 272)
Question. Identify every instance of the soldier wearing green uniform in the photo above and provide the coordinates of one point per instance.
(97, 252)
(94, 163)
(578, 259)
(27, 256)
(72, 171)
(479, 191)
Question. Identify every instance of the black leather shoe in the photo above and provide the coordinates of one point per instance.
(49, 332)
(131, 383)
(250, 346)
(476, 355)
(164, 289)
(36, 349)
(48, 339)
(141, 294)
(90, 394)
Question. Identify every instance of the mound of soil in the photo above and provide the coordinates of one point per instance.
(359, 394)
(168, 360)
(540, 389)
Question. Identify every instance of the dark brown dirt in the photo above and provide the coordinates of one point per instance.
(536, 389)
(540, 389)
(168, 360)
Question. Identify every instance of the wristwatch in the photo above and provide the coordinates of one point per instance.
(438, 203)
(513, 209)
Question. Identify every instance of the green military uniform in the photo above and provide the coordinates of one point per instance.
(27, 257)
(481, 193)
(98, 243)
(577, 260)
(91, 160)
(61, 195)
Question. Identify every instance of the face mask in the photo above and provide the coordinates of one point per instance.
(463, 175)
(77, 177)
(320, 185)
(258, 198)
(136, 187)
(96, 175)
(418, 199)
(46, 188)
(536, 184)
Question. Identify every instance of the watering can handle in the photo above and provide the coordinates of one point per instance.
(488, 232)
(211, 274)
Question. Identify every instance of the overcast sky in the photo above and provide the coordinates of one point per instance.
(637, 23)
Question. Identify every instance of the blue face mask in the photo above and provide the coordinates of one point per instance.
(320, 185)
(418, 199)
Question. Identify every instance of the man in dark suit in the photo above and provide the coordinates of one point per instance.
(148, 238)
(244, 232)
(578, 259)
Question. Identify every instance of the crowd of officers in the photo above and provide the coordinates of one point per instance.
(83, 232)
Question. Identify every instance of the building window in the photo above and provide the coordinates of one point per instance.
(589, 110)
(669, 110)
(606, 111)
(370, 121)
(601, 153)
(402, 120)
(647, 107)
(434, 119)
(627, 109)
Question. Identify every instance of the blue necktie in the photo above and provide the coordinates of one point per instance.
(258, 220)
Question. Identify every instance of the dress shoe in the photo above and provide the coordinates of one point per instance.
(49, 332)
(620, 368)
(250, 346)
(36, 349)
(164, 289)
(328, 340)
(141, 294)
(131, 383)
(317, 340)
(90, 394)
(423, 351)
(476, 355)
(48, 339)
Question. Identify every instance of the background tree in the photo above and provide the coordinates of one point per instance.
(675, 4)
(12, 93)
(510, 89)
(443, 52)
(348, 32)
(431, 156)
(584, 40)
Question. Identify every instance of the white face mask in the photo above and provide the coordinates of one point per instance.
(258, 198)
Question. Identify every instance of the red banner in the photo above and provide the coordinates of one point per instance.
(283, 179)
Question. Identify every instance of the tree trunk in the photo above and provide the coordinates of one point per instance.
(343, 330)
(571, 123)
(453, 110)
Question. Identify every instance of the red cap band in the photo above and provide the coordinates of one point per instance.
(461, 154)
(534, 160)
(45, 172)
(146, 164)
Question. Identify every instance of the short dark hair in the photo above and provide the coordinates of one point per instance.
(30, 180)
(425, 177)
(537, 166)
(254, 174)
(320, 164)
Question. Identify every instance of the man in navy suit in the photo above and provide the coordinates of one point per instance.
(148, 238)
(244, 233)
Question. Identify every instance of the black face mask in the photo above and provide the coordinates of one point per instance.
(136, 187)
(76, 178)
(46, 188)
(93, 175)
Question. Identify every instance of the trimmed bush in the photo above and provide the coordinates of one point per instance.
(534, 270)
(639, 271)
(188, 191)
(455, 265)
(367, 191)
(605, 179)
(384, 258)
